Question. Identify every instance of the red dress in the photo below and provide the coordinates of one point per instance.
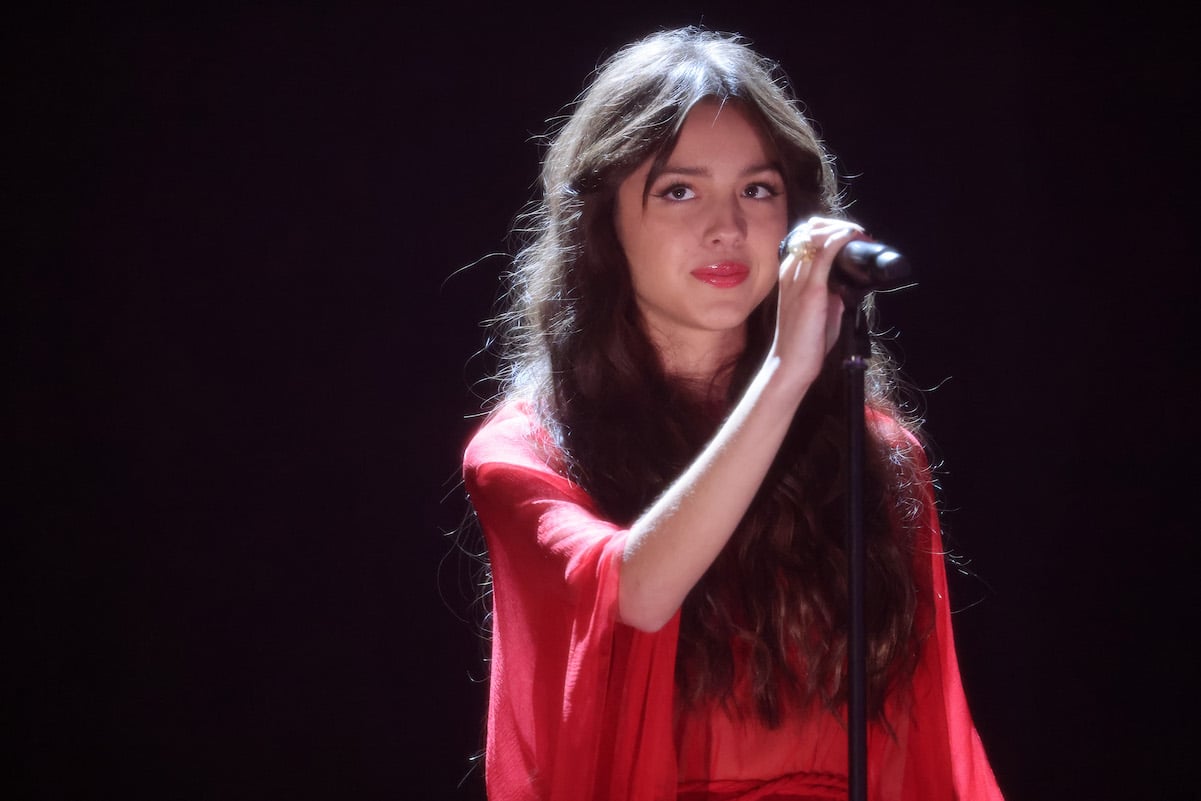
(581, 706)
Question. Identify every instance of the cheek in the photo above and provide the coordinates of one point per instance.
(775, 224)
(646, 268)
(631, 236)
(765, 282)
(637, 257)
(647, 247)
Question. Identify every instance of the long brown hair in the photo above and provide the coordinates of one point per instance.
(572, 345)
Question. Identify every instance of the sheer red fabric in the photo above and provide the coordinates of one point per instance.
(581, 707)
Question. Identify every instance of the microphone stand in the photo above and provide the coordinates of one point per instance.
(859, 268)
(856, 352)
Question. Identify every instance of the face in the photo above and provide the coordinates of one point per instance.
(702, 239)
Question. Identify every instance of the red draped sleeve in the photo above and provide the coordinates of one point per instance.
(945, 749)
(580, 706)
(941, 754)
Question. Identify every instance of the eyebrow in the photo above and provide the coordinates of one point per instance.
(766, 166)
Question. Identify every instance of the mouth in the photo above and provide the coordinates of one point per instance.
(722, 275)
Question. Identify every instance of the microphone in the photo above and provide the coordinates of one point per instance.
(865, 266)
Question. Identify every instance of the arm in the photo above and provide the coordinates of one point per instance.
(675, 541)
(578, 705)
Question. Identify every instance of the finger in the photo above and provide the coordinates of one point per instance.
(833, 238)
(834, 314)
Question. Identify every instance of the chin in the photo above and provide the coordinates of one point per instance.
(727, 320)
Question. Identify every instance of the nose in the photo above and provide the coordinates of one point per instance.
(726, 223)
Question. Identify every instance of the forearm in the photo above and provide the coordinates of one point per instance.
(671, 546)
(675, 541)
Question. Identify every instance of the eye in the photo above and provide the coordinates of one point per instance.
(677, 192)
(761, 191)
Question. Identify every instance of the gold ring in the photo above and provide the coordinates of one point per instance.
(798, 245)
(805, 250)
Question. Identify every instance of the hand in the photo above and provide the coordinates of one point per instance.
(809, 315)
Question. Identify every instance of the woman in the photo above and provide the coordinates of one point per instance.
(661, 484)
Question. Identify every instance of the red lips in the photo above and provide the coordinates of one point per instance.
(722, 275)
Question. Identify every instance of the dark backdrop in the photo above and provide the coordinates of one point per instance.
(243, 372)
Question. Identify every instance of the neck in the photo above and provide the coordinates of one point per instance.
(702, 359)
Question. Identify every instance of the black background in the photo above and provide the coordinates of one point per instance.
(243, 371)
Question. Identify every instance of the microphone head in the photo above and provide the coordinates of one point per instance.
(859, 265)
(890, 268)
(871, 266)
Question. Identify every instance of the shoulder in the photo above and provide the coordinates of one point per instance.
(510, 435)
(900, 439)
(511, 461)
